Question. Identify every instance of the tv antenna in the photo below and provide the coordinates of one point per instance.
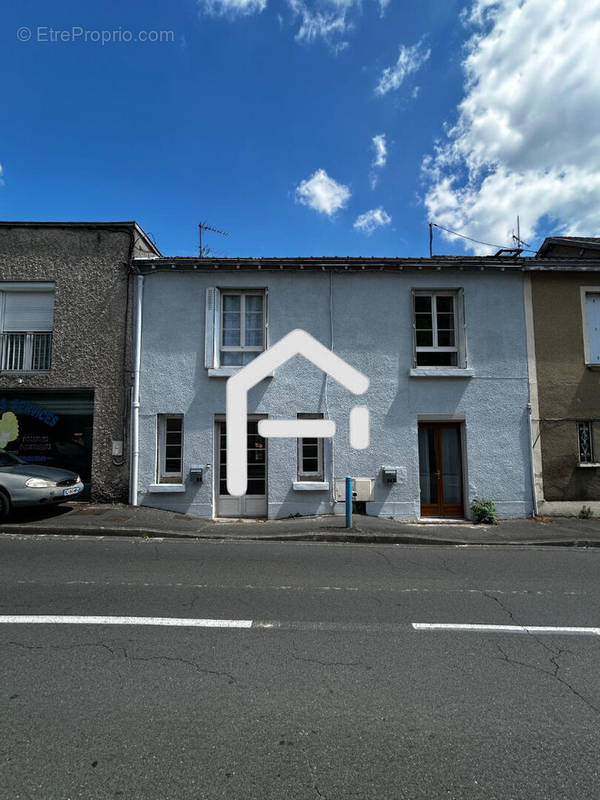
(202, 226)
(517, 239)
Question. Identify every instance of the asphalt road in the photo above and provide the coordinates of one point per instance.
(330, 692)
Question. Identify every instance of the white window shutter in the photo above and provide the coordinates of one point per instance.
(210, 327)
(267, 338)
(28, 311)
(592, 309)
(414, 328)
(462, 333)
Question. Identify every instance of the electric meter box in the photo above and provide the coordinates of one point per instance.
(363, 489)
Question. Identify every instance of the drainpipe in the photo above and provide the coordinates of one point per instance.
(532, 466)
(135, 396)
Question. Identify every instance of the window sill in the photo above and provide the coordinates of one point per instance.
(587, 466)
(227, 372)
(310, 486)
(166, 487)
(440, 372)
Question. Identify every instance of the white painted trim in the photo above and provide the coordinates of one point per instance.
(310, 486)
(583, 291)
(440, 417)
(157, 488)
(441, 372)
(227, 372)
(536, 439)
(588, 465)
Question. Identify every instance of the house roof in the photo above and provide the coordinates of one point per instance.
(581, 242)
(131, 225)
(370, 264)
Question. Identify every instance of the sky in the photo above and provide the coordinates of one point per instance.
(305, 127)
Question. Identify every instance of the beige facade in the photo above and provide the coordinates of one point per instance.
(565, 387)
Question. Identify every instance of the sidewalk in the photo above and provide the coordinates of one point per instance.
(122, 520)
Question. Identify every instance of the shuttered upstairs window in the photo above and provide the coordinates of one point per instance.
(592, 313)
(27, 320)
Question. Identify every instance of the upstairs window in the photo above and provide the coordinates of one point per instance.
(235, 326)
(590, 301)
(438, 333)
(26, 323)
(242, 327)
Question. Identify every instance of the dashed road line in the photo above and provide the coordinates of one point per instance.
(482, 628)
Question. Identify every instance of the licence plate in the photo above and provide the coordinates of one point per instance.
(71, 490)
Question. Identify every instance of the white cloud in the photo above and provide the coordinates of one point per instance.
(410, 59)
(371, 220)
(379, 157)
(232, 8)
(324, 19)
(322, 193)
(328, 20)
(380, 148)
(527, 137)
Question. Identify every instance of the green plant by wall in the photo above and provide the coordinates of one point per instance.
(586, 512)
(484, 511)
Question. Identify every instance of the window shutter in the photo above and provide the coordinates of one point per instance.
(28, 311)
(267, 341)
(414, 328)
(592, 310)
(210, 332)
(462, 323)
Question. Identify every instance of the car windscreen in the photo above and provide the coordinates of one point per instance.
(8, 460)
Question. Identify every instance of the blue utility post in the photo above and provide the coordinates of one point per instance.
(348, 501)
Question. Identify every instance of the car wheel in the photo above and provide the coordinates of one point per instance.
(4, 505)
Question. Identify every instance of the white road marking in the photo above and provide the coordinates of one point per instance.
(304, 588)
(539, 629)
(47, 619)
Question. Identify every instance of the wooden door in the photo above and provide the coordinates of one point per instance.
(440, 469)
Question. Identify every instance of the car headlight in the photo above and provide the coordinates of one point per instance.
(39, 483)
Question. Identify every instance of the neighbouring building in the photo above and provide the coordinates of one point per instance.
(563, 305)
(65, 371)
(442, 340)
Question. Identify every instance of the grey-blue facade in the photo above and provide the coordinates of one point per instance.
(365, 311)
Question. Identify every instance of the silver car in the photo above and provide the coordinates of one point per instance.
(23, 484)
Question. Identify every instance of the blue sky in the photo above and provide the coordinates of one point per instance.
(259, 116)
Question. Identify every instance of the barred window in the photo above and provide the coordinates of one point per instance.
(586, 445)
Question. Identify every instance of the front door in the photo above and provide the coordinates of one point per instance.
(440, 469)
(254, 502)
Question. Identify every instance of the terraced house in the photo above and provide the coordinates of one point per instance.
(563, 305)
(65, 318)
(443, 341)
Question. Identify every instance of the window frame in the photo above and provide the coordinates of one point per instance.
(584, 292)
(162, 476)
(241, 348)
(459, 346)
(302, 475)
(590, 425)
(29, 340)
